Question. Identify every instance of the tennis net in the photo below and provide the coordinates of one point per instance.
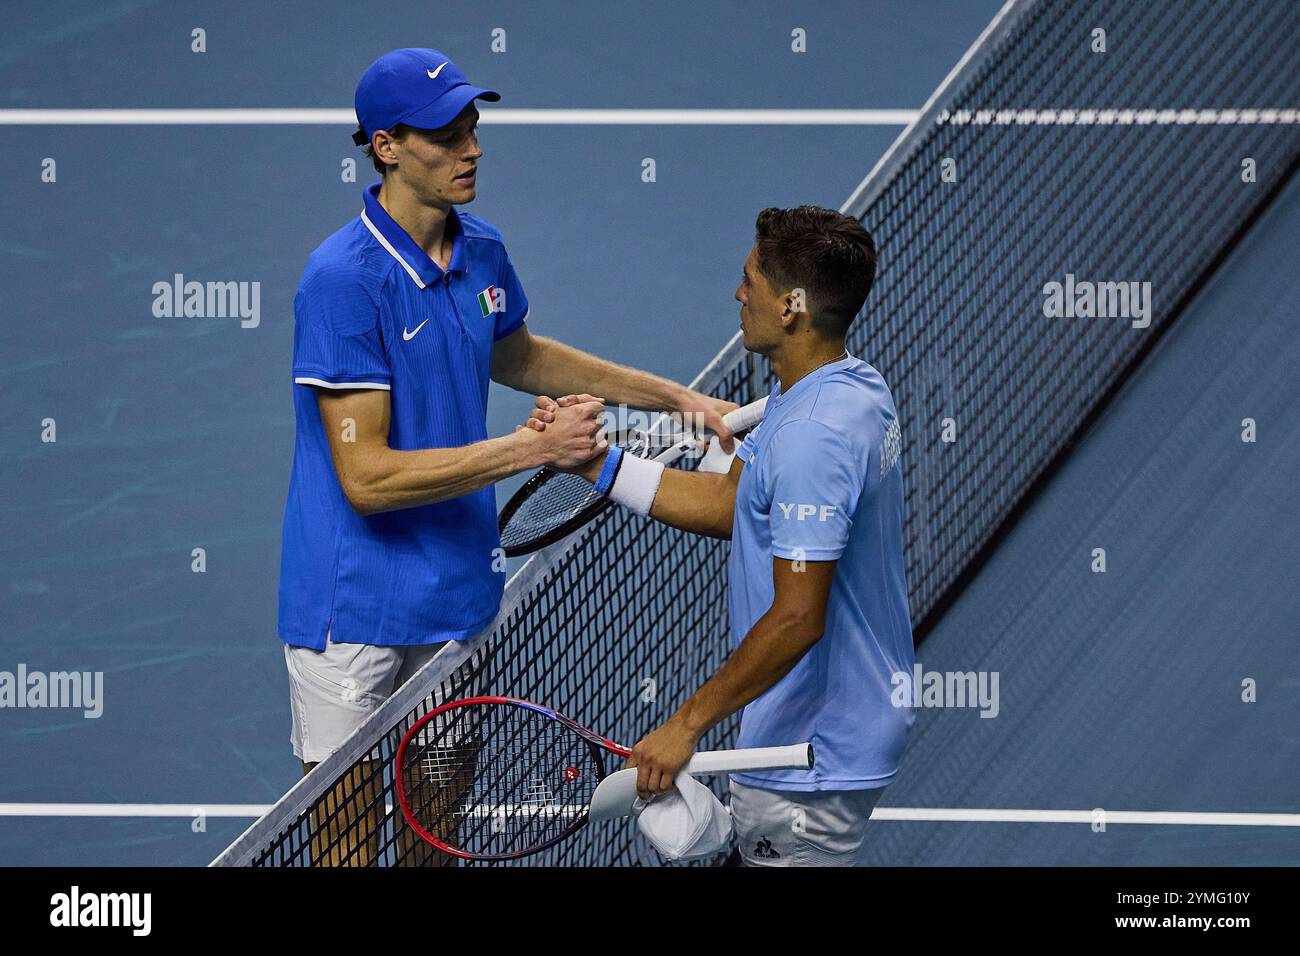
(1121, 164)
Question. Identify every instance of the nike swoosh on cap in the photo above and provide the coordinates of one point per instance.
(433, 74)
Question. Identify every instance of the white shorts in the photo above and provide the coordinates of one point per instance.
(332, 691)
(798, 828)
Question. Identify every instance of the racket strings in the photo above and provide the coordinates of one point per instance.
(497, 780)
(561, 497)
(515, 806)
(554, 502)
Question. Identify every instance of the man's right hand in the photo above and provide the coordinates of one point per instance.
(572, 433)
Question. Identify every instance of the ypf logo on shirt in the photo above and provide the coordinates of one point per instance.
(800, 512)
(492, 300)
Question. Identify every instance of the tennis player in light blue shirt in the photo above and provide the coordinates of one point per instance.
(813, 505)
(821, 485)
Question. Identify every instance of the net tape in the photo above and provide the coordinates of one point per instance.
(1122, 166)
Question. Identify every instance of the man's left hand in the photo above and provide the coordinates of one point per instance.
(709, 411)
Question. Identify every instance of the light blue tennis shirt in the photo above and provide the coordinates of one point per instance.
(822, 482)
(373, 311)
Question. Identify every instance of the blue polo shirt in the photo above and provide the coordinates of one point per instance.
(822, 482)
(373, 311)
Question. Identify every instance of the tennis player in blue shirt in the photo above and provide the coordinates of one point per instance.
(813, 506)
(401, 319)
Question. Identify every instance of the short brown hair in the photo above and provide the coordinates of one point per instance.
(398, 132)
(829, 255)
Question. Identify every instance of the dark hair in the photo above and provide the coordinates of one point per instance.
(398, 132)
(829, 255)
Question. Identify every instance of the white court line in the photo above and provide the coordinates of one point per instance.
(495, 117)
(665, 117)
(908, 814)
(1149, 817)
(132, 809)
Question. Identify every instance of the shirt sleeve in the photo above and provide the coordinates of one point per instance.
(745, 447)
(337, 341)
(816, 481)
(516, 310)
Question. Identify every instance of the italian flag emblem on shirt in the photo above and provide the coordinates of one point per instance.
(492, 300)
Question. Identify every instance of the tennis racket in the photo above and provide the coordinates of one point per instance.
(553, 504)
(496, 778)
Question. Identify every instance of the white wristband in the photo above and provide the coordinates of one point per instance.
(637, 483)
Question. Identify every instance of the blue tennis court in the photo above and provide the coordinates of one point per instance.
(146, 457)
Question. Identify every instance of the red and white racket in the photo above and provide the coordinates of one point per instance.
(496, 778)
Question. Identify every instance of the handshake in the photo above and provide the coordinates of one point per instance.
(569, 431)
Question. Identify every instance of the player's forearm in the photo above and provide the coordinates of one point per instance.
(770, 650)
(698, 502)
(386, 479)
(556, 369)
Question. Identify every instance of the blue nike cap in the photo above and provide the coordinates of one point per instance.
(415, 86)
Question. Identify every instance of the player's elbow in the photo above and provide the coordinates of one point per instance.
(362, 499)
(363, 485)
(802, 625)
(365, 506)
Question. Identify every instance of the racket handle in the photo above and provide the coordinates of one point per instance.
(738, 420)
(793, 757)
(746, 416)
